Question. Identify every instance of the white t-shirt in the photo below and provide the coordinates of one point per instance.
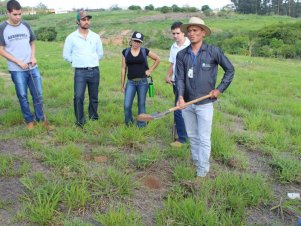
(174, 49)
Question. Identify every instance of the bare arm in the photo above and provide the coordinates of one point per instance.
(156, 58)
(123, 73)
(169, 74)
(33, 53)
(11, 58)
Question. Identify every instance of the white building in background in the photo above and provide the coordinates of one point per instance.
(60, 11)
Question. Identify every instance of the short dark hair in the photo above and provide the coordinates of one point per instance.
(13, 5)
(175, 25)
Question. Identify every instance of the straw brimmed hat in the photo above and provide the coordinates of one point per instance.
(196, 21)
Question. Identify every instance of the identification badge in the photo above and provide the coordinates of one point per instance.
(190, 73)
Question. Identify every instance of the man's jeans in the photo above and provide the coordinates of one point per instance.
(82, 78)
(141, 87)
(198, 121)
(33, 80)
(180, 125)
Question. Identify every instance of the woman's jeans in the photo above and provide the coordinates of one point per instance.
(141, 87)
(31, 79)
(85, 77)
(198, 122)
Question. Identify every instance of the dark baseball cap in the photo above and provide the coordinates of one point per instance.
(137, 36)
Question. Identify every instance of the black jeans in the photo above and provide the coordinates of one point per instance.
(86, 77)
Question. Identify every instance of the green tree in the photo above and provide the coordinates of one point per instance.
(134, 7)
(149, 7)
(165, 9)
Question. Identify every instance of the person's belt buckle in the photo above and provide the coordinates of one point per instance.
(90, 68)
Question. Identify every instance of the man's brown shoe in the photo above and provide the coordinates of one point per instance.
(48, 126)
(176, 144)
(30, 125)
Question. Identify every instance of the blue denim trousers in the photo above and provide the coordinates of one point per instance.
(178, 119)
(83, 78)
(141, 87)
(198, 121)
(29, 79)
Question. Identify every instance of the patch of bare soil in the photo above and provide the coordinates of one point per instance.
(10, 187)
(148, 197)
(123, 36)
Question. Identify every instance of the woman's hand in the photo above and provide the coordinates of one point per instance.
(148, 73)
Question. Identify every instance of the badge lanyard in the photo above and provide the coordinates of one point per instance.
(194, 61)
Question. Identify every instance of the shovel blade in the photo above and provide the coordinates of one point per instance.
(156, 115)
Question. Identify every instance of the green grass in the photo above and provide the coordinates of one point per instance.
(222, 200)
(13, 166)
(119, 216)
(41, 202)
(258, 115)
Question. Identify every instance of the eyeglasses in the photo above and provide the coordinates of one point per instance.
(137, 42)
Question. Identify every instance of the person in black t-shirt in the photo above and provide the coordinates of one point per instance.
(135, 66)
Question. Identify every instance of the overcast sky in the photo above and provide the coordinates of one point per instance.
(69, 4)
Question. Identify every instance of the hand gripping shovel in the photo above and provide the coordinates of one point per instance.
(158, 115)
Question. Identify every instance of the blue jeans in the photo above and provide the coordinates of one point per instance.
(141, 87)
(198, 121)
(31, 79)
(82, 78)
(179, 121)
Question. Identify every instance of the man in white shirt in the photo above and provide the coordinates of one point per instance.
(180, 43)
(83, 49)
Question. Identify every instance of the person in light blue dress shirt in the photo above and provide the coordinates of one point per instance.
(83, 49)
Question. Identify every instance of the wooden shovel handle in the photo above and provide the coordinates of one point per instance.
(190, 102)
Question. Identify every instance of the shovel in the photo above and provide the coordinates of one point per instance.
(158, 115)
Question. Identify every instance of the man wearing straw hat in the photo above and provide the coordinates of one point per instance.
(196, 68)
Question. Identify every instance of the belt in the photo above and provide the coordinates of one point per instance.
(86, 68)
(136, 79)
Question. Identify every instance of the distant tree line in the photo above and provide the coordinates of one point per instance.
(266, 7)
(165, 9)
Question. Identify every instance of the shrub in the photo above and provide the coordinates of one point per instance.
(30, 17)
(46, 34)
(236, 45)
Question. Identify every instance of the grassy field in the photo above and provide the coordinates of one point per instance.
(108, 174)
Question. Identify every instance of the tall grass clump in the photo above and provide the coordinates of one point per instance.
(64, 158)
(148, 158)
(6, 165)
(119, 216)
(223, 200)
(288, 168)
(76, 194)
(13, 166)
(41, 200)
(113, 183)
(182, 170)
(129, 137)
(224, 149)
